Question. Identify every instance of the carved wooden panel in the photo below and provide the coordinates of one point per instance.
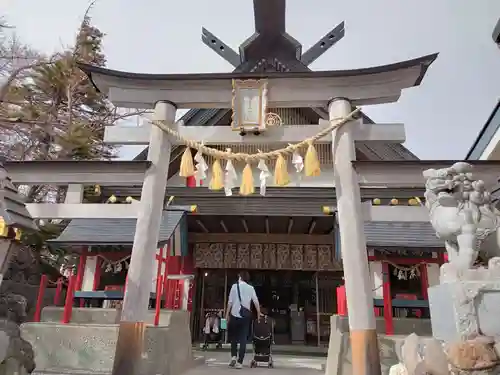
(243, 255)
(230, 255)
(269, 256)
(310, 257)
(216, 256)
(283, 257)
(297, 257)
(201, 255)
(325, 258)
(256, 256)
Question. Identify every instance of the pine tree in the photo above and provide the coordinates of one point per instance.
(51, 111)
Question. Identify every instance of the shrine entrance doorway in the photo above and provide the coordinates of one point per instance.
(300, 302)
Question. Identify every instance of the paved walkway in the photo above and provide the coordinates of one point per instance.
(283, 365)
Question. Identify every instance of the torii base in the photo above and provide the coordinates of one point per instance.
(129, 348)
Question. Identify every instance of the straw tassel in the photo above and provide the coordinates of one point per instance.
(187, 165)
(281, 177)
(312, 166)
(217, 180)
(247, 187)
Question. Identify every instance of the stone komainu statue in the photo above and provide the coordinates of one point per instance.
(463, 215)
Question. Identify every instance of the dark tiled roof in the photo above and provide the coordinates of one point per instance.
(12, 206)
(485, 135)
(401, 234)
(113, 231)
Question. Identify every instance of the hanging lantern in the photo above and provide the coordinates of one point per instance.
(376, 201)
(413, 202)
(112, 199)
(97, 190)
(18, 234)
(4, 229)
(394, 202)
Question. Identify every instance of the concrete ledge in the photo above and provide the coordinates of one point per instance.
(90, 315)
(74, 348)
(402, 326)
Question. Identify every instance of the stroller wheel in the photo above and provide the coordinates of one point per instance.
(270, 364)
(253, 364)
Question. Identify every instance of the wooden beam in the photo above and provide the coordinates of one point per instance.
(62, 173)
(408, 174)
(390, 133)
(303, 239)
(82, 211)
(127, 135)
(202, 226)
(325, 43)
(220, 48)
(396, 213)
(267, 225)
(312, 225)
(382, 84)
(245, 225)
(223, 225)
(290, 225)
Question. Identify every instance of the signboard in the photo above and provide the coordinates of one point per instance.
(249, 105)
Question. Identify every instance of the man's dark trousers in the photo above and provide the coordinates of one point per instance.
(238, 332)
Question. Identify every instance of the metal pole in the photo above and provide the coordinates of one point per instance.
(202, 306)
(317, 310)
(358, 286)
(225, 301)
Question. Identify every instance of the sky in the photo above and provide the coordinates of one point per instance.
(442, 116)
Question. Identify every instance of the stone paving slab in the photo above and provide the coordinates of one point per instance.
(303, 364)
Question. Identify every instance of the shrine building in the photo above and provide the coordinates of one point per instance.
(289, 236)
(285, 239)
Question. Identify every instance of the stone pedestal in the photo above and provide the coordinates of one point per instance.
(464, 309)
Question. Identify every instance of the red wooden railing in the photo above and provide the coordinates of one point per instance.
(39, 300)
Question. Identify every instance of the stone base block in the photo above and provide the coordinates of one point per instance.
(339, 360)
(90, 348)
(463, 309)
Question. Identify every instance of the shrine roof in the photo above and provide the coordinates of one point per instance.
(486, 134)
(118, 232)
(496, 33)
(401, 234)
(121, 77)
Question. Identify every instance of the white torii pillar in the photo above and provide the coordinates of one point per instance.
(364, 344)
(130, 344)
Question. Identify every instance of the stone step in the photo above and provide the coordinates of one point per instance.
(60, 371)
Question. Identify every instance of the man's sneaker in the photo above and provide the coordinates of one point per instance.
(233, 362)
(239, 366)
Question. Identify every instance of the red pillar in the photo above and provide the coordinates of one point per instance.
(68, 306)
(97, 274)
(81, 270)
(424, 278)
(386, 287)
(191, 181)
(166, 281)
(39, 299)
(341, 301)
(59, 287)
(158, 298)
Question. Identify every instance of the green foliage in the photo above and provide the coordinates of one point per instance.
(59, 113)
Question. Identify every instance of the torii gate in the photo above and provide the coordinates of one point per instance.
(337, 90)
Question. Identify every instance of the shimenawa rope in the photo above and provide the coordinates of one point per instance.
(253, 158)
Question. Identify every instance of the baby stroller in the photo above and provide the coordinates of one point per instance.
(213, 332)
(263, 332)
